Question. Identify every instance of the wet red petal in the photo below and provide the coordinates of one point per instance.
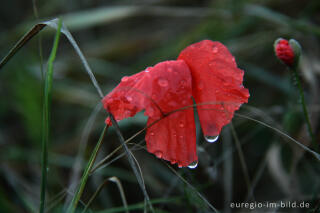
(217, 84)
(174, 138)
(160, 90)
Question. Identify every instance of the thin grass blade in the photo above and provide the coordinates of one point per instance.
(46, 118)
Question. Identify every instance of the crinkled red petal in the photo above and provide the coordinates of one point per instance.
(217, 84)
(160, 90)
(173, 138)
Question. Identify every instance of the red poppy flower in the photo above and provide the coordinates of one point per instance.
(206, 71)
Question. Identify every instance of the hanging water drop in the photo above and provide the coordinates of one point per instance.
(193, 165)
(158, 154)
(211, 139)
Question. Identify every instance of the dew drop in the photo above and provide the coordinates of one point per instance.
(200, 86)
(181, 124)
(211, 139)
(127, 113)
(158, 154)
(153, 96)
(152, 133)
(125, 79)
(163, 82)
(129, 98)
(215, 49)
(193, 165)
(169, 69)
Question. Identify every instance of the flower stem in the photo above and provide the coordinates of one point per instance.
(304, 106)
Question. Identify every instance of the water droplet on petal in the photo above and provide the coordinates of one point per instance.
(152, 133)
(125, 79)
(158, 154)
(211, 139)
(153, 97)
(163, 82)
(129, 98)
(127, 113)
(200, 86)
(215, 49)
(169, 69)
(193, 165)
(181, 124)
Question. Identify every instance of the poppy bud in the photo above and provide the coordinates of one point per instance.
(287, 51)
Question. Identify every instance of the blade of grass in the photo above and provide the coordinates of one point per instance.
(66, 32)
(315, 154)
(140, 206)
(85, 176)
(34, 31)
(241, 157)
(227, 169)
(46, 118)
(77, 167)
(192, 187)
(119, 185)
(53, 24)
(131, 160)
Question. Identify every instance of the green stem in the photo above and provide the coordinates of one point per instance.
(85, 176)
(46, 118)
(304, 106)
